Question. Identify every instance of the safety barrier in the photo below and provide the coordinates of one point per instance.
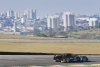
(68, 65)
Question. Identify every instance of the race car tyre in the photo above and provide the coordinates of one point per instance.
(67, 60)
(63, 60)
(57, 60)
(84, 59)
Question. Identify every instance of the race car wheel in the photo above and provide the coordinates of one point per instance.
(57, 60)
(63, 61)
(84, 59)
(67, 60)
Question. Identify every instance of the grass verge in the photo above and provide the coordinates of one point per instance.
(78, 48)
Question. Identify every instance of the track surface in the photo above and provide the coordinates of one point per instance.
(39, 60)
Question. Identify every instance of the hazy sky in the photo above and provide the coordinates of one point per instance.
(45, 7)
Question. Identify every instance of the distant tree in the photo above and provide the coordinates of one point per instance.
(97, 37)
(43, 35)
(61, 28)
(61, 33)
(99, 25)
(51, 32)
(86, 36)
(36, 32)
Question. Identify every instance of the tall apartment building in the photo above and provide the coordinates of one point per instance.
(30, 13)
(93, 22)
(18, 14)
(10, 13)
(23, 20)
(34, 14)
(14, 27)
(53, 22)
(68, 20)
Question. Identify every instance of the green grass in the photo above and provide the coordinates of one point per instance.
(53, 66)
(78, 48)
(72, 66)
(93, 33)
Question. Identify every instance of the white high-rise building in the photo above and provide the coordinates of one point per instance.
(30, 13)
(18, 14)
(23, 20)
(93, 22)
(14, 27)
(53, 22)
(68, 20)
(10, 13)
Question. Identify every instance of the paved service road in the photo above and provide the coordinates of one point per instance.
(47, 40)
(39, 60)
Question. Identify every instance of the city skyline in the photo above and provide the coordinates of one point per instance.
(45, 7)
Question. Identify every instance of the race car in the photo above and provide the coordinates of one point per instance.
(66, 58)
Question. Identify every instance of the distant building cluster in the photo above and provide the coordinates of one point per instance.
(28, 13)
(91, 22)
(71, 21)
(12, 22)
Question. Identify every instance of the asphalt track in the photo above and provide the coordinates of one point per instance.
(39, 60)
